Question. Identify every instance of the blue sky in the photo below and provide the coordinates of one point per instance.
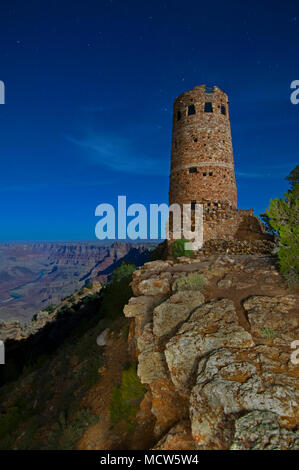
(89, 93)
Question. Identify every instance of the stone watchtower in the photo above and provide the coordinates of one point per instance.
(202, 162)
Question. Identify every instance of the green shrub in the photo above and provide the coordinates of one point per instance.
(193, 281)
(125, 331)
(117, 292)
(50, 309)
(73, 431)
(178, 249)
(126, 398)
(125, 270)
(64, 435)
(269, 333)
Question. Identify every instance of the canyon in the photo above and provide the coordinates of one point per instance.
(36, 275)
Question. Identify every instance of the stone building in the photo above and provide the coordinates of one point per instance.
(202, 165)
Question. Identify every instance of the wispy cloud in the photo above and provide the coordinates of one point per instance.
(244, 174)
(120, 154)
(276, 172)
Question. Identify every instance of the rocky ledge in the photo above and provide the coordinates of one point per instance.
(216, 359)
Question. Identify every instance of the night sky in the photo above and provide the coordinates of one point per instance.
(89, 92)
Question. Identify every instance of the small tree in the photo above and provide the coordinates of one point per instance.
(266, 221)
(283, 217)
(293, 179)
(117, 291)
(123, 271)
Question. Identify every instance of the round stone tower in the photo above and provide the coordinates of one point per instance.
(202, 162)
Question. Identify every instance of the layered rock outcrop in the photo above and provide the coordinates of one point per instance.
(217, 360)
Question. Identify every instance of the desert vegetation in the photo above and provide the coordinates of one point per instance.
(282, 218)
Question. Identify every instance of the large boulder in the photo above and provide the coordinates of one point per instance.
(275, 313)
(260, 430)
(151, 366)
(103, 337)
(141, 308)
(157, 285)
(175, 310)
(233, 381)
(151, 362)
(212, 326)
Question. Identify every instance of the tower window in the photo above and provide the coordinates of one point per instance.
(193, 169)
(210, 173)
(195, 139)
(223, 109)
(179, 115)
(204, 174)
(208, 107)
(215, 204)
(193, 204)
(191, 109)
